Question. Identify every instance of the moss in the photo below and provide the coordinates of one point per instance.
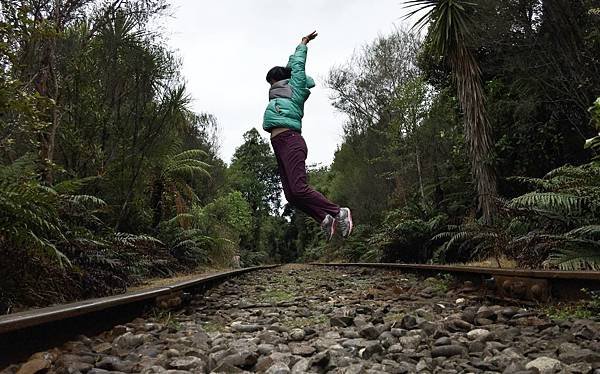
(211, 326)
(393, 317)
(277, 296)
(307, 321)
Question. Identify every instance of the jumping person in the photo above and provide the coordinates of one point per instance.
(283, 119)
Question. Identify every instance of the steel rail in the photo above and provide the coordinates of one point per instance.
(525, 273)
(520, 285)
(26, 332)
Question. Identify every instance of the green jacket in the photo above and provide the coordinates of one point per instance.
(287, 97)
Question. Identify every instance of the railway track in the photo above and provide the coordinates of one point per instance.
(341, 318)
(24, 333)
(507, 284)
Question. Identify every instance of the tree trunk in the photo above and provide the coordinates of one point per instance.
(156, 202)
(478, 131)
(48, 86)
(418, 159)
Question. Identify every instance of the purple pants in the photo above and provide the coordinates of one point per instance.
(290, 151)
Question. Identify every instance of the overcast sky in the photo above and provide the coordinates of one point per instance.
(227, 47)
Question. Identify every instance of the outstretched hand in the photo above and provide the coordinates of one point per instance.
(309, 37)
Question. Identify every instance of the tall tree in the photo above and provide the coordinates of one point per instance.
(450, 26)
(253, 172)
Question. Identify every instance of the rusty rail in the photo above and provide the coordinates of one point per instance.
(510, 284)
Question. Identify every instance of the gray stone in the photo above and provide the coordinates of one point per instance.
(570, 353)
(302, 349)
(476, 346)
(241, 327)
(409, 322)
(115, 364)
(410, 342)
(244, 359)
(478, 334)
(102, 348)
(225, 368)
(187, 363)
(486, 313)
(514, 367)
(444, 340)
(341, 321)
(355, 369)
(580, 368)
(545, 365)
(302, 366)
(297, 335)
(458, 325)
(370, 350)
(278, 368)
(129, 340)
(354, 343)
(103, 371)
(397, 332)
(265, 349)
(448, 350)
(387, 339)
(369, 332)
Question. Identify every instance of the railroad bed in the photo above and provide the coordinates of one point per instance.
(302, 319)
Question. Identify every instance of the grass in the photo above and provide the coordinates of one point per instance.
(393, 317)
(491, 262)
(441, 283)
(583, 309)
(277, 296)
(308, 321)
(210, 326)
(561, 312)
(165, 318)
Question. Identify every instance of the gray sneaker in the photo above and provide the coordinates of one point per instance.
(328, 227)
(344, 219)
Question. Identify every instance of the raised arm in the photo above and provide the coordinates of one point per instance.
(297, 63)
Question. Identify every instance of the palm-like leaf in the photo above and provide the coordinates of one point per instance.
(450, 21)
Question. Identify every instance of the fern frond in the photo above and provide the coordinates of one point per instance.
(85, 200)
(580, 259)
(560, 203)
(190, 154)
(587, 232)
(132, 240)
(72, 185)
(538, 183)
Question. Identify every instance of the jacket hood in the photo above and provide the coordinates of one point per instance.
(280, 89)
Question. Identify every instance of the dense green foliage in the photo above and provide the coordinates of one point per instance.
(106, 176)
(404, 164)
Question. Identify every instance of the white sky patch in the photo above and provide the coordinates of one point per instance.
(227, 47)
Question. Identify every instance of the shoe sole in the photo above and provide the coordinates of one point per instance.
(350, 224)
(332, 231)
